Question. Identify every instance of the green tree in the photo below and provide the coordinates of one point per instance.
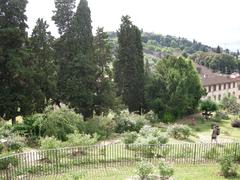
(129, 68)
(105, 93)
(81, 68)
(63, 14)
(175, 89)
(17, 93)
(44, 64)
(208, 107)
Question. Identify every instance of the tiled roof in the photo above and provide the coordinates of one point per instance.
(208, 77)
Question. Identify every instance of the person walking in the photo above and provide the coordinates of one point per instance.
(215, 133)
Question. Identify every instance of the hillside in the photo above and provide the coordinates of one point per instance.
(157, 46)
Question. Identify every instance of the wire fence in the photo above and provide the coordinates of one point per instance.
(58, 161)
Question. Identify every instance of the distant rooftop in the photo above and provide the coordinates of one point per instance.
(208, 77)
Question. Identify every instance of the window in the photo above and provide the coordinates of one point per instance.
(219, 97)
(229, 85)
(224, 86)
(219, 87)
(209, 88)
(214, 87)
(234, 85)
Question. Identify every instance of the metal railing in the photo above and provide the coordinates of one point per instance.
(57, 161)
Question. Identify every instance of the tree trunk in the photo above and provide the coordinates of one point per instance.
(14, 120)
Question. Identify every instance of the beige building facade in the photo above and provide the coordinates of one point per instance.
(218, 85)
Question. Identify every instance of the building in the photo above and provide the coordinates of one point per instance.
(218, 85)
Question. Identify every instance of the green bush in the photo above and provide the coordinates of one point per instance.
(77, 139)
(220, 115)
(179, 131)
(144, 169)
(1, 148)
(104, 126)
(212, 153)
(129, 122)
(50, 143)
(15, 142)
(165, 170)
(152, 117)
(228, 167)
(130, 137)
(4, 163)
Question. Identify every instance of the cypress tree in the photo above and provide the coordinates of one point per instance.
(17, 93)
(44, 63)
(105, 93)
(129, 69)
(80, 73)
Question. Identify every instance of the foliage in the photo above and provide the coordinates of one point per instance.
(212, 153)
(235, 123)
(221, 62)
(144, 169)
(78, 68)
(1, 147)
(41, 43)
(130, 137)
(59, 123)
(15, 142)
(230, 104)
(77, 139)
(63, 14)
(175, 90)
(50, 143)
(179, 131)
(104, 126)
(208, 106)
(18, 93)
(220, 115)
(228, 167)
(105, 91)
(129, 67)
(165, 170)
(129, 122)
(4, 162)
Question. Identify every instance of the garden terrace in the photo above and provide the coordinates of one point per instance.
(91, 158)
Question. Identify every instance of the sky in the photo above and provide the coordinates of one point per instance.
(212, 22)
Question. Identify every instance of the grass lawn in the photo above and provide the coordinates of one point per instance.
(182, 172)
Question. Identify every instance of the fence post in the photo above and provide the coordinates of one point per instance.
(56, 153)
(236, 145)
(194, 155)
(105, 156)
(9, 172)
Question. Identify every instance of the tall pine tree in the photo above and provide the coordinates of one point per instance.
(17, 93)
(105, 94)
(81, 67)
(44, 63)
(129, 69)
(63, 14)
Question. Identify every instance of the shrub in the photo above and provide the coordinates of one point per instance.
(130, 137)
(165, 170)
(236, 123)
(228, 167)
(152, 117)
(4, 163)
(77, 139)
(60, 122)
(179, 131)
(212, 153)
(102, 125)
(129, 122)
(144, 169)
(221, 115)
(50, 143)
(1, 148)
(15, 143)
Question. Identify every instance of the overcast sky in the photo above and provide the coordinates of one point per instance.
(212, 22)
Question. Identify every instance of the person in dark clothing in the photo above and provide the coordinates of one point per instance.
(215, 133)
